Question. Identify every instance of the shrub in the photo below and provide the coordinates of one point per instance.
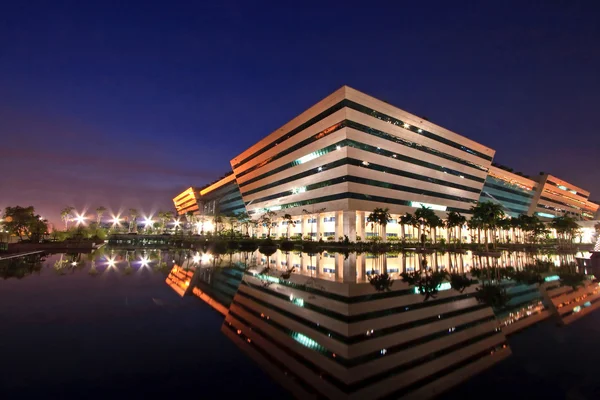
(330, 238)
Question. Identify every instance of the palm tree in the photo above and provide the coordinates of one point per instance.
(287, 218)
(168, 215)
(426, 218)
(453, 221)
(406, 219)
(488, 214)
(133, 213)
(66, 214)
(373, 220)
(217, 219)
(566, 228)
(383, 217)
(99, 212)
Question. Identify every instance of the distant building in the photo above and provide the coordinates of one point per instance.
(556, 197)
(220, 197)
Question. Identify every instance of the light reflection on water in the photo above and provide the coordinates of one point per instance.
(325, 265)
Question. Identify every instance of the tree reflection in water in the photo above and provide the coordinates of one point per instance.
(21, 267)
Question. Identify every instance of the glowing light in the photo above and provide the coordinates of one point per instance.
(306, 341)
(115, 220)
(148, 221)
(442, 286)
(299, 190)
(552, 278)
(111, 262)
(406, 125)
(206, 257)
(196, 258)
(420, 130)
(144, 260)
(74, 263)
(366, 163)
(306, 158)
(80, 219)
(320, 169)
(176, 223)
(338, 147)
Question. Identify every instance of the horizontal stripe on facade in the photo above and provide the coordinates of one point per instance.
(357, 339)
(394, 121)
(358, 196)
(374, 296)
(365, 110)
(366, 181)
(247, 341)
(560, 203)
(505, 189)
(364, 129)
(359, 163)
(366, 358)
(446, 371)
(568, 190)
(375, 150)
(349, 319)
(508, 200)
(371, 380)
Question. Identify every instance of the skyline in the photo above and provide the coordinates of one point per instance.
(113, 107)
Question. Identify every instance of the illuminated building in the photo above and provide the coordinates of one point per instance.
(187, 201)
(325, 332)
(514, 192)
(350, 153)
(220, 197)
(556, 197)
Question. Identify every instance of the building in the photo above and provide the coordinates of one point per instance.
(220, 197)
(187, 201)
(329, 167)
(514, 192)
(556, 197)
(350, 153)
(325, 334)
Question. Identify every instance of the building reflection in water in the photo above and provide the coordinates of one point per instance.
(316, 325)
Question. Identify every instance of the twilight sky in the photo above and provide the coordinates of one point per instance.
(126, 105)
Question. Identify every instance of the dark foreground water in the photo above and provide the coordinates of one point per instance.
(116, 336)
(129, 336)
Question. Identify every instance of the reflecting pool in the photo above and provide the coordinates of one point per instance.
(125, 323)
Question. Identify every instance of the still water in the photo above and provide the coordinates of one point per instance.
(118, 324)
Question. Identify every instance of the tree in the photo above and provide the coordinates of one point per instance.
(217, 219)
(244, 220)
(566, 228)
(287, 218)
(99, 212)
(373, 221)
(406, 219)
(66, 214)
(425, 218)
(454, 220)
(133, 213)
(489, 214)
(23, 221)
(267, 219)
